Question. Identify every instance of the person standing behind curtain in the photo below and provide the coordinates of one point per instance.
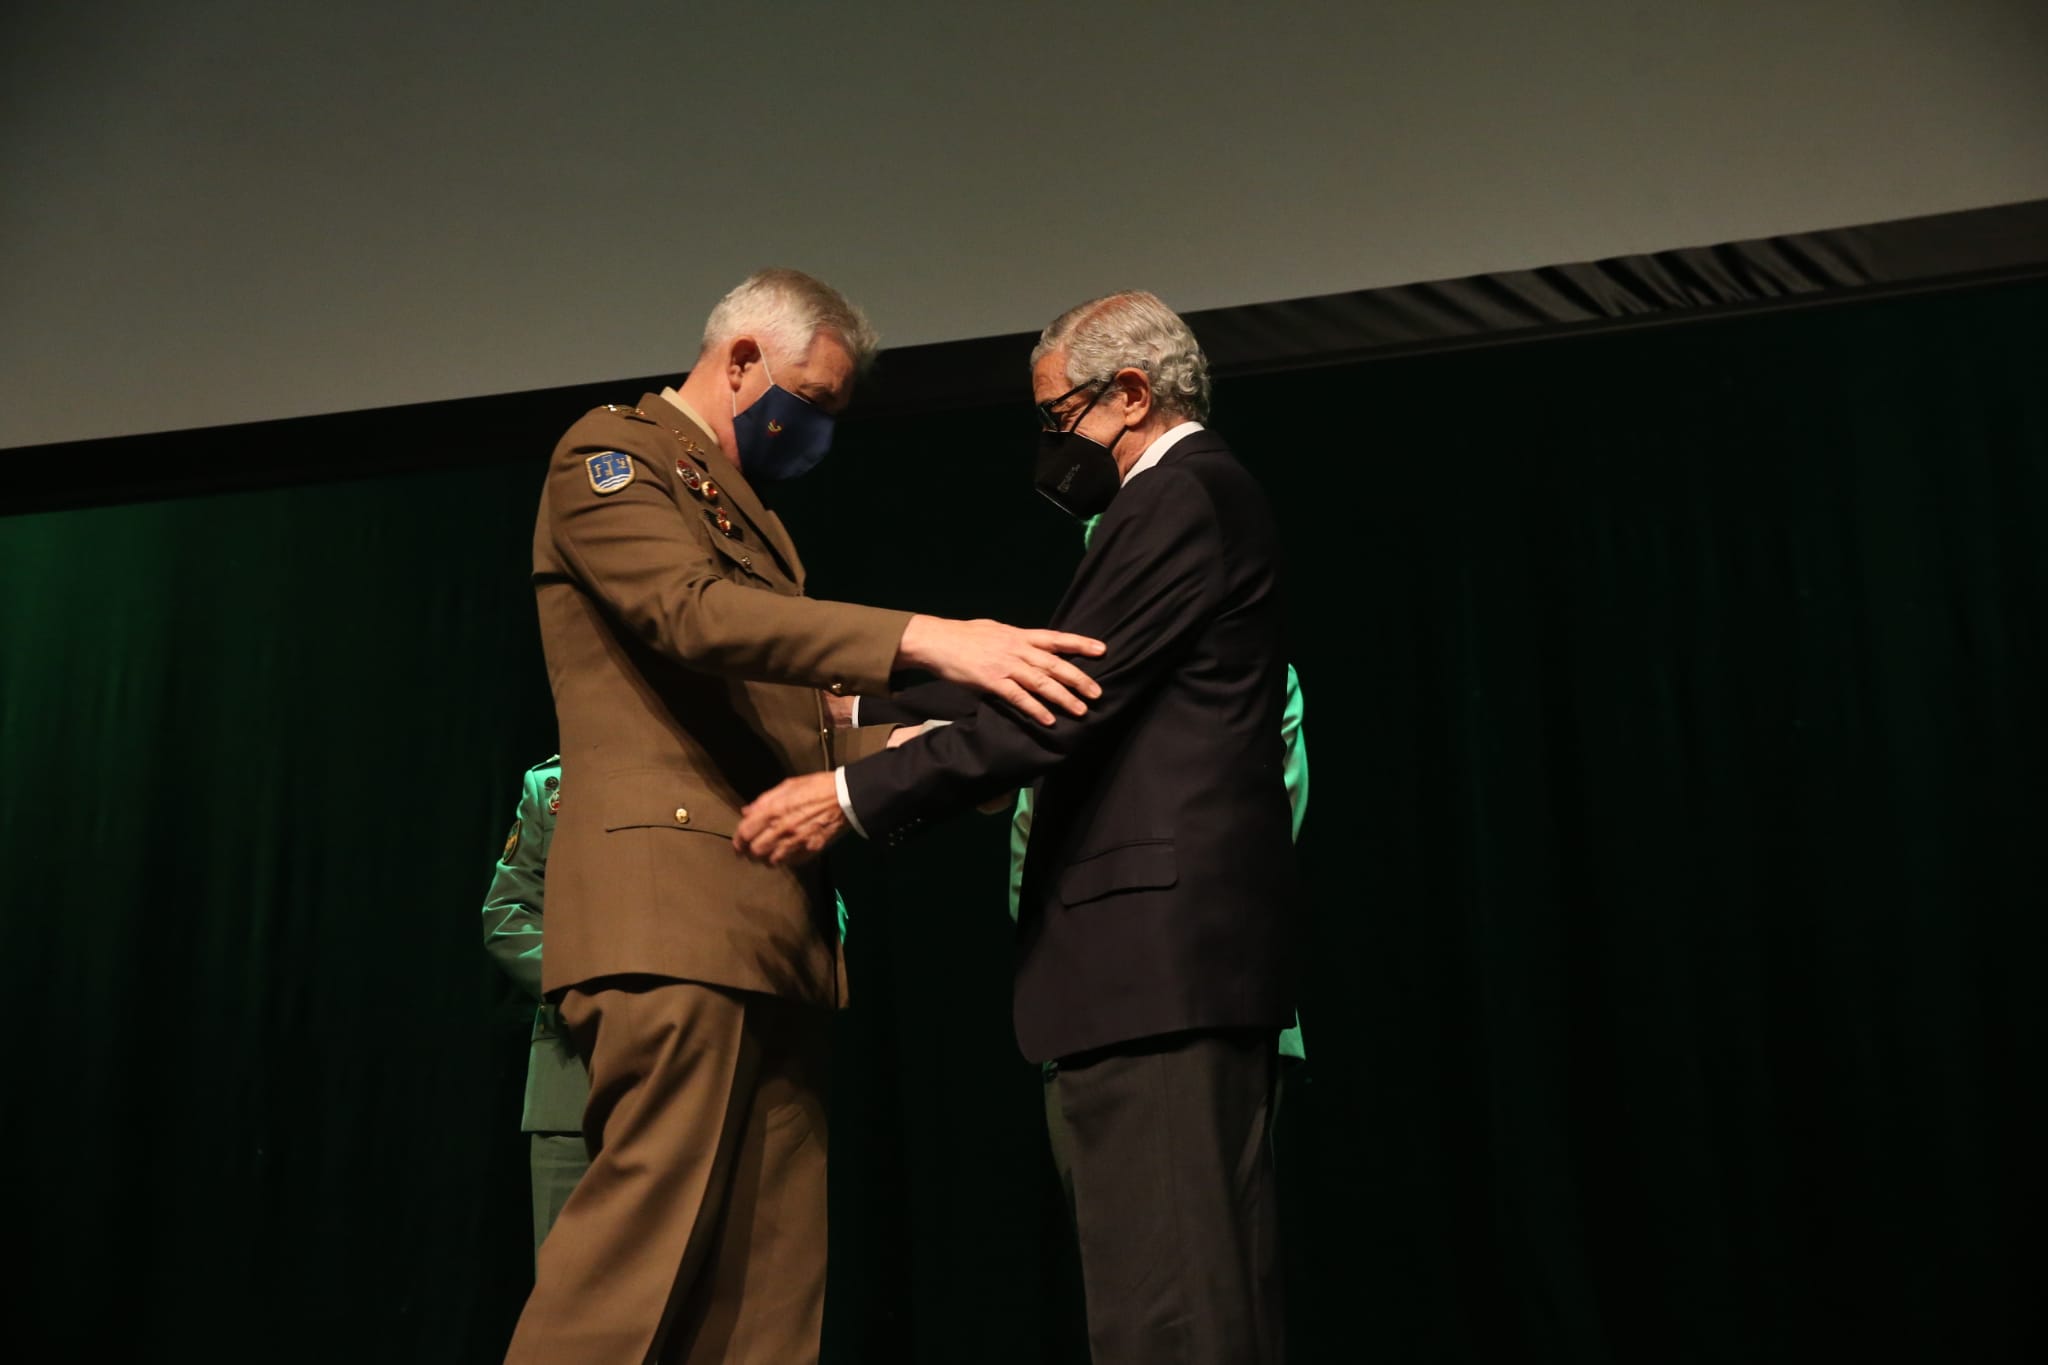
(557, 1085)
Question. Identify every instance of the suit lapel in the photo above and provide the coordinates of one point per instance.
(1199, 442)
(699, 446)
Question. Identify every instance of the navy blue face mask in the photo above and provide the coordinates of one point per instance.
(781, 436)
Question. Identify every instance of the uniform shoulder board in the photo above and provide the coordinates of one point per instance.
(624, 410)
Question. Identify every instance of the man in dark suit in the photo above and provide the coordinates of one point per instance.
(1157, 917)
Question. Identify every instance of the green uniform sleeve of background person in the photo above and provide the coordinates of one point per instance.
(512, 907)
(1297, 752)
(1295, 770)
(1020, 834)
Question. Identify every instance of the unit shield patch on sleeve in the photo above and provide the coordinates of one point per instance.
(610, 470)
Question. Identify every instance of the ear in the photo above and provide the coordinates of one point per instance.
(740, 356)
(1136, 387)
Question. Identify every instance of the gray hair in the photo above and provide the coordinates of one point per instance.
(1132, 330)
(785, 310)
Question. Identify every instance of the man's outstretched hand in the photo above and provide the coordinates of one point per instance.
(792, 822)
(1022, 667)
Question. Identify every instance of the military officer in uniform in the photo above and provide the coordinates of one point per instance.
(556, 1082)
(687, 666)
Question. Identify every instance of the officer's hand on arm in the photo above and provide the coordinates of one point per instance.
(793, 822)
(1016, 666)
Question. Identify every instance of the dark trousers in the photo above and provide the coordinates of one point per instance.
(698, 1233)
(1164, 1147)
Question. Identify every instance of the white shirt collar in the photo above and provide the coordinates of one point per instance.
(1156, 452)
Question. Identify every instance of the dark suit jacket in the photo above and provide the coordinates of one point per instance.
(1159, 890)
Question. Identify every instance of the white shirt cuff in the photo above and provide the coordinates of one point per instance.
(856, 721)
(846, 802)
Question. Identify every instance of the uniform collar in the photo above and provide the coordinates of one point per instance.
(676, 399)
(703, 447)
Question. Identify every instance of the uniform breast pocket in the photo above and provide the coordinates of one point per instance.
(752, 560)
(1143, 865)
(661, 798)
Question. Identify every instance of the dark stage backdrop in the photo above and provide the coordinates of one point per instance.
(1677, 857)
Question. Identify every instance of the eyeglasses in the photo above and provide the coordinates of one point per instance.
(1049, 418)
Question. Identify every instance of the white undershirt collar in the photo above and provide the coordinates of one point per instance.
(1156, 452)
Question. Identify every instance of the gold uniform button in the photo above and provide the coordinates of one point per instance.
(682, 816)
(838, 689)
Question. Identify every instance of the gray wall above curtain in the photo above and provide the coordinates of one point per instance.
(226, 210)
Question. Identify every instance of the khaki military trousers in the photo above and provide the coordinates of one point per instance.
(698, 1233)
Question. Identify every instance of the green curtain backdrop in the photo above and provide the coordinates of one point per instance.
(1677, 851)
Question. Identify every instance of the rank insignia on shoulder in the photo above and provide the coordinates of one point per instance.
(622, 410)
(511, 844)
(610, 470)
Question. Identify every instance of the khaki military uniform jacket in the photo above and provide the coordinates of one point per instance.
(685, 663)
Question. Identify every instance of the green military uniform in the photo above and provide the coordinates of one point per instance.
(1296, 775)
(557, 1085)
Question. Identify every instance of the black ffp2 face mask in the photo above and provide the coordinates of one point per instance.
(1077, 475)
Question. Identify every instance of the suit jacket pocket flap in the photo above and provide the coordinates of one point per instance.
(660, 798)
(1128, 867)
